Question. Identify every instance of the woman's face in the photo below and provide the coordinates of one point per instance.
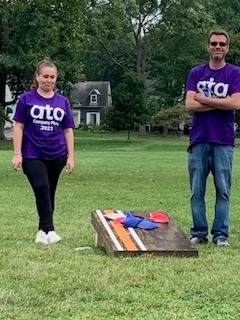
(46, 79)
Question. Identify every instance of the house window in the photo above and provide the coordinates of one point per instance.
(93, 118)
(93, 98)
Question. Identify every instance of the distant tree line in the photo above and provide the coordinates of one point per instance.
(124, 41)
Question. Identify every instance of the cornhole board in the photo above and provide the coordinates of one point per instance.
(166, 240)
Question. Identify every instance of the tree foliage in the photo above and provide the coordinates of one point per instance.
(106, 39)
(129, 104)
(171, 117)
(180, 43)
(31, 30)
(118, 33)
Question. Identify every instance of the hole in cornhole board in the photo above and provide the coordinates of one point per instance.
(166, 240)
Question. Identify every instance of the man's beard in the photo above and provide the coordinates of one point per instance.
(218, 56)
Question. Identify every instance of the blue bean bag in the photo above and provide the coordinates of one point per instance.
(132, 221)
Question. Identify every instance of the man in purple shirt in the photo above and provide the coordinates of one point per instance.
(212, 95)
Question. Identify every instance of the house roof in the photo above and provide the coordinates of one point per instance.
(81, 92)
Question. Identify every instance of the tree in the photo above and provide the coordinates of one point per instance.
(171, 117)
(33, 29)
(160, 40)
(118, 35)
(181, 36)
(129, 104)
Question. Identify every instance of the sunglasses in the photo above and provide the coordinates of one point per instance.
(215, 43)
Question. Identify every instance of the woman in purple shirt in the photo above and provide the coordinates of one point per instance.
(43, 143)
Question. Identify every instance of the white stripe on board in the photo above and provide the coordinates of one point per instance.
(137, 239)
(109, 231)
(135, 236)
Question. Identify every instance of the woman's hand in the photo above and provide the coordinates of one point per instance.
(69, 165)
(17, 161)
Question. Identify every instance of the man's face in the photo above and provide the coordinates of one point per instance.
(218, 47)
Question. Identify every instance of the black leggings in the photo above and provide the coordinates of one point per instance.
(43, 176)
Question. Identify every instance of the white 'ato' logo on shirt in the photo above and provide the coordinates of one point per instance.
(219, 89)
(47, 112)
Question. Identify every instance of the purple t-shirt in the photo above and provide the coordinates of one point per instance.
(44, 120)
(216, 126)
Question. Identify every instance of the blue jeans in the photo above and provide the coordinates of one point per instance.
(217, 159)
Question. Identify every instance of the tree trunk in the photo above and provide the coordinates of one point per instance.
(5, 31)
(128, 138)
(165, 132)
(3, 79)
(2, 136)
(176, 131)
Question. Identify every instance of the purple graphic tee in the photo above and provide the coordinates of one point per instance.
(216, 126)
(44, 120)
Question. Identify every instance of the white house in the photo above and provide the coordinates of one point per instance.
(9, 109)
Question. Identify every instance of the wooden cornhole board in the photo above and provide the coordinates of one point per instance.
(166, 240)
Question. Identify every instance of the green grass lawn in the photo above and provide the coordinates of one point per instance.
(56, 282)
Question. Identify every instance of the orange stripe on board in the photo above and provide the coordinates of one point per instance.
(108, 211)
(122, 233)
(124, 236)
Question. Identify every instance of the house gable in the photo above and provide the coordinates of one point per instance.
(83, 91)
(90, 99)
(94, 97)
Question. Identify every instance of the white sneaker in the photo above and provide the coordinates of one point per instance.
(222, 242)
(52, 237)
(41, 237)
